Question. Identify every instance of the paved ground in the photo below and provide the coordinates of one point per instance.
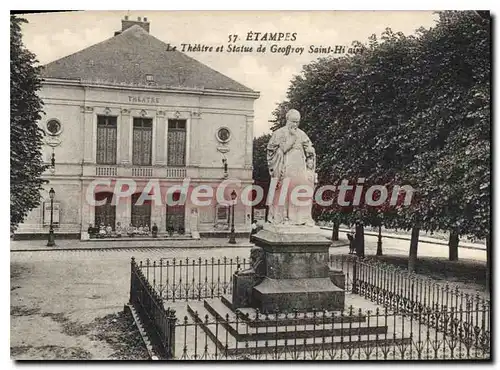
(41, 245)
(56, 294)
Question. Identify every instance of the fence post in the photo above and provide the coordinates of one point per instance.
(354, 276)
(171, 320)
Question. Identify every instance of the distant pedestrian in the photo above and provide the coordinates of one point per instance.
(351, 243)
(119, 230)
(154, 230)
(102, 231)
(255, 228)
(130, 230)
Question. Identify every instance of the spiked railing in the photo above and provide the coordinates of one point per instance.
(405, 292)
(192, 279)
(158, 321)
(330, 336)
(439, 322)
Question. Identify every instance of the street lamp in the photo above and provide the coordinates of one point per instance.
(232, 238)
(51, 242)
(224, 163)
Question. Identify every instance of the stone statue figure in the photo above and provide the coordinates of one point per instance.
(291, 159)
(257, 266)
(245, 280)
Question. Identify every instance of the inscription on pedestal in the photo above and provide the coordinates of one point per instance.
(289, 265)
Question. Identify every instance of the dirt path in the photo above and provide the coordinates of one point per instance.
(47, 326)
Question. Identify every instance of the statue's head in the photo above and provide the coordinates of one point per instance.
(293, 118)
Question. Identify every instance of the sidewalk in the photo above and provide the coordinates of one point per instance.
(76, 244)
(421, 239)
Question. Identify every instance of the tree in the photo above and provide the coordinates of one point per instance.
(260, 174)
(26, 164)
(260, 169)
(409, 110)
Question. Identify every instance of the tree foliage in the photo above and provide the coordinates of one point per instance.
(409, 110)
(26, 164)
(260, 170)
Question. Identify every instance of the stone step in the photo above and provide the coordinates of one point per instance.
(243, 332)
(248, 315)
(303, 293)
(230, 345)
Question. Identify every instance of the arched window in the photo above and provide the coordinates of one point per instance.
(141, 214)
(106, 213)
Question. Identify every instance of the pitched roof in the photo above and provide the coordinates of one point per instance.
(127, 58)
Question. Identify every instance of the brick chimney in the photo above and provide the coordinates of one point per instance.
(127, 23)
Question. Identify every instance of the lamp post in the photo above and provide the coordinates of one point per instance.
(232, 238)
(51, 242)
(224, 163)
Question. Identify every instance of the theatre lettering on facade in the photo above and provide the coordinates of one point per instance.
(127, 108)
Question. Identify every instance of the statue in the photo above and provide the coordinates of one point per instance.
(245, 280)
(257, 267)
(291, 158)
(193, 222)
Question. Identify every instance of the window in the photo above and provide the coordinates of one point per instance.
(223, 134)
(141, 214)
(176, 142)
(222, 213)
(54, 127)
(142, 141)
(149, 78)
(106, 140)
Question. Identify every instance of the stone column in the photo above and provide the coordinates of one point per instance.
(89, 132)
(194, 139)
(160, 138)
(123, 211)
(156, 216)
(87, 211)
(249, 142)
(125, 137)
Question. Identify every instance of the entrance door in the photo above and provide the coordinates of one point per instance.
(175, 218)
(141, 214)
(106, 213)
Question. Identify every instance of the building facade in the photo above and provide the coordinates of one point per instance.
(129, 110)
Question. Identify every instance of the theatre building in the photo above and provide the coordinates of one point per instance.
(130, 109)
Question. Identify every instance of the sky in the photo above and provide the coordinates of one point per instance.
(54, 35)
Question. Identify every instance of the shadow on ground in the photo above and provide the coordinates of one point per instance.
(117, 330)
(463, 271)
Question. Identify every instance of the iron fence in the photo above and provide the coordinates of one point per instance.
(402, 291)
(190, 279)
(425, 320)
(345, 335)
(158, 321)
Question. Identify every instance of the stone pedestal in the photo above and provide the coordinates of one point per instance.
(296, 273)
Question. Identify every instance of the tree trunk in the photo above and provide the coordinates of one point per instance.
(379, 241)
(412, 260)
(488, 262)
(453, 246)
(359, 240)
(335, 231)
